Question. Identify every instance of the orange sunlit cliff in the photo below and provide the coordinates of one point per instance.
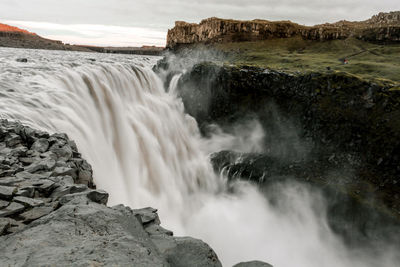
(8, 28)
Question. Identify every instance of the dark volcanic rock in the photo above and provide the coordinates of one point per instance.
(350, 123)
(46, 219)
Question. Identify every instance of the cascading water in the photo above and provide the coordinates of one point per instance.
(146, 152)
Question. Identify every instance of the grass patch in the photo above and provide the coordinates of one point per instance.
(367, 60)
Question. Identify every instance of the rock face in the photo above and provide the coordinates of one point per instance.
(51, 214)
(382, 27)
(349, 122)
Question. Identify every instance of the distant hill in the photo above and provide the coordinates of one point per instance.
(8, 28)
(384, 27)
(11, 36)
(143, 50)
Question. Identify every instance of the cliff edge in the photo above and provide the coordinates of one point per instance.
(384, 27)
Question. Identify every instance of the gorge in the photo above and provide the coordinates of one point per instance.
(259, 166)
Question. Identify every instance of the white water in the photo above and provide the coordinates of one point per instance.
(146, 152)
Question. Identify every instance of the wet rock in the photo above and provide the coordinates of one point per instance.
(253, 264)
(11, 209)
(22, 60)
(6, 192)
(41, 145)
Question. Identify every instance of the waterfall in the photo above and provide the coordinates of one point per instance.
(145, 151)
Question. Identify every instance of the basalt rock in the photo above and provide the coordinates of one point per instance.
(50, 216)
(350, 124)
(382, 27)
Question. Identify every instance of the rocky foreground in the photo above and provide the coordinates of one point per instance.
(51, 214)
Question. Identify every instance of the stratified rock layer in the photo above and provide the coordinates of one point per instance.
(382, 27)
(52, 215)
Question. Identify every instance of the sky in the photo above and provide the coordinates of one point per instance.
(146, 22)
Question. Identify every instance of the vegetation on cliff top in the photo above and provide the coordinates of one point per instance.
(369, 61)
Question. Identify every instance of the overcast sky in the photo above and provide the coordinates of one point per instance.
(145, 22)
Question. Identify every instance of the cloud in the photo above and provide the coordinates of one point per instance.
(159, 15)
(94, 34)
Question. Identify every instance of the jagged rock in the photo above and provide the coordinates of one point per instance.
(147, 215)
(253, 264)
(7, 181)
(43, 165)
(29, 202)
(15, 226)
(97, 196)
(62, 171)
(46, 186)
(6, 173)
(3, 204)
(36, 213)
(11, 209)
(154, 229)
(26, 192)
(62, 152)
(41, 145)
(32, 176)
(50, 220)
(12, 140)
(27, 160)
(4, 225)
(6, 192)
(68, 189)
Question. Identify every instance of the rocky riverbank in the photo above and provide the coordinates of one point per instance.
(52, 214)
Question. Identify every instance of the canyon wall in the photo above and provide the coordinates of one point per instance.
(381, 27)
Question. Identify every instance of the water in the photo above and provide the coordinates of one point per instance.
(146, 152)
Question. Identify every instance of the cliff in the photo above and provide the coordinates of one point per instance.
(381, 27)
